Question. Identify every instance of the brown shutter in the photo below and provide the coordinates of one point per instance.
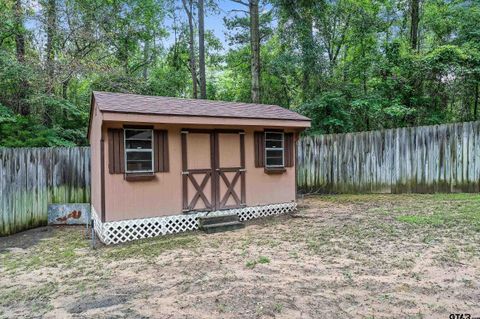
(160, 150)
(259, 142)
(116, 151)
(289, 150)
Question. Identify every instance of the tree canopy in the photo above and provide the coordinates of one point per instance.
(350, 65)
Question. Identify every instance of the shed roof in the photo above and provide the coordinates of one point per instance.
(159, 105)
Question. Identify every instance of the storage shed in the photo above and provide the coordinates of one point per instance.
(160, 164)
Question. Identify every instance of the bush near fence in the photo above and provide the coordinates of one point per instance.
(426, 159)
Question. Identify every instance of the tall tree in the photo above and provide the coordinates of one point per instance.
(334, 23)
(254, 28)
(302, 16)
(19, 32)
(188, 7)
(50, 8)
(201, 49)
(255, 47)
(414, 21)
(19, 28)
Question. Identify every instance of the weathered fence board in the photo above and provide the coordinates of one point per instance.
(427, 159)
(32, 178)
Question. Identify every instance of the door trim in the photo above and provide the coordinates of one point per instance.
(187, 175)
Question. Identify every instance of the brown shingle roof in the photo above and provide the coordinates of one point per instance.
(144, 104)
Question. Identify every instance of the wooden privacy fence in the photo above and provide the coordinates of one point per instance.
(427, 159)
(32, 178)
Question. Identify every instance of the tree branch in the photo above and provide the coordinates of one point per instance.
(241, 2)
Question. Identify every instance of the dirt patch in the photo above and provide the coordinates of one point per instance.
(98, 302)
(26, 239)
(371, 256)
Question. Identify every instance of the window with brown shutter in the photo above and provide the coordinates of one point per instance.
(259, 144)
(274, 150)
(146, 150)
(161, 151)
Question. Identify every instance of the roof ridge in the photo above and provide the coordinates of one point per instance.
(188, 99)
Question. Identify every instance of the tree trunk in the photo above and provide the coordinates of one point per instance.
(51, 29)
(255, 47)
(475, 108)
(201, 49)
(65, 88)
(125, 56)
(191, 43)
(19, 32)
(21, 106)
(308, 58)
(415, 19)
(146, 48)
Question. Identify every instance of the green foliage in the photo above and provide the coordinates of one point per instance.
(328, 113)
(349, 65)
(25, 131)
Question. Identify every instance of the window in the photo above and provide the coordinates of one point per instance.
(274, 149)
(138, 150)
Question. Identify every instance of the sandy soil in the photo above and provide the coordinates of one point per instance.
(370, 256)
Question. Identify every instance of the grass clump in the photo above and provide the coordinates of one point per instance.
(261, 260)
(433, 220)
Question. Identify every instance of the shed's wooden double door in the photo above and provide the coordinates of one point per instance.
(213, 169)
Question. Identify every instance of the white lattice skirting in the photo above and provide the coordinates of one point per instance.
(127, 230)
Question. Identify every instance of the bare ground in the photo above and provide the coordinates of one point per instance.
(366, 256)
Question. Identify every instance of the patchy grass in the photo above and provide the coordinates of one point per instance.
(462, 211)
(35, 298)
(367, 256)
(48, 252)
(152, 247)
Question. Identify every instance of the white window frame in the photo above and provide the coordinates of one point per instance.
(274, 149)
(137, 150)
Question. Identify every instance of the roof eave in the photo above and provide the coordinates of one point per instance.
(201, 119)
(210, 116)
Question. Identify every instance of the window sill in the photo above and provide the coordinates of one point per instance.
(135, 177)
(275, 170)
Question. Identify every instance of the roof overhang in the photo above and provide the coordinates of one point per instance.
(201, 120)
